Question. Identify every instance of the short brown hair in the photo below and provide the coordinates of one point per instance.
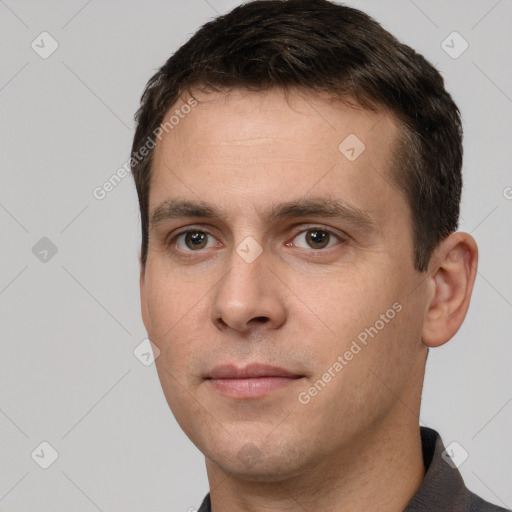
(321, 46)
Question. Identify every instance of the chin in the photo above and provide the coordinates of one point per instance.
(257, 461)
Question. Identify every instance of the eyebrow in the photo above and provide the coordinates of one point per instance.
(304, 207)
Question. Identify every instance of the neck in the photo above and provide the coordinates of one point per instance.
(382, 470)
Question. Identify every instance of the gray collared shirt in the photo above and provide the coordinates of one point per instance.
(442, 489)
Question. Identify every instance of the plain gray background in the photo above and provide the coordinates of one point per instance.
(70, 321)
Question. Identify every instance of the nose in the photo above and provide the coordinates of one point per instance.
(249, 296)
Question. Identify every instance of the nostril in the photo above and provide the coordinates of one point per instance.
(260, 319)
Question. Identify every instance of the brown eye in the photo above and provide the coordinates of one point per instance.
(316, 238)
(194, 240)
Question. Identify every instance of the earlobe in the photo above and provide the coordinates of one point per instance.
(452, 279)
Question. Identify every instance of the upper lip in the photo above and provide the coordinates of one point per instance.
(251, 371)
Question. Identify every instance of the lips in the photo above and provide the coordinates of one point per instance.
(252, 381)
(251, 371)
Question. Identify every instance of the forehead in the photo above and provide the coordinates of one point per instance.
(286, 117)
(242, 148)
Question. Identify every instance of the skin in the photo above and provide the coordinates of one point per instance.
(355, 445)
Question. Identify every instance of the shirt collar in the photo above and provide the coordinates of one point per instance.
(442, 487)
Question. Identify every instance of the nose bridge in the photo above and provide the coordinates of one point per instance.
(246, 293)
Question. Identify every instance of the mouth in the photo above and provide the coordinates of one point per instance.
(252, 381)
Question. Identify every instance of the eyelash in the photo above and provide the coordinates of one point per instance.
(331, 233)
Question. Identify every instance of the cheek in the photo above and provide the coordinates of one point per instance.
(172, 311)
(169, 300)
(177, 393)
(371, 328)
(347, 301)
(358, 383)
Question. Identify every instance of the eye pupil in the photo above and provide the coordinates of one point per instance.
(318, 239)
(195, 239)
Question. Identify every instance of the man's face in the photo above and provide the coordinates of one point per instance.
(287, 331)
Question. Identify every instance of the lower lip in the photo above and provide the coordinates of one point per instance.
(250, 388)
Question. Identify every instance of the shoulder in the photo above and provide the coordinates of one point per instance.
(443, 488)
(477, 504)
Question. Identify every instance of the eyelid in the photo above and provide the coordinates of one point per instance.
(340, 235)
(186, 229)
(310, 226)
(171, 239)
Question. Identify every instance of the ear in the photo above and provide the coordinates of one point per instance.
(143, 297)
(451, 279)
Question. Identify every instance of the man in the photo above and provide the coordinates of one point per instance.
(299, 178)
